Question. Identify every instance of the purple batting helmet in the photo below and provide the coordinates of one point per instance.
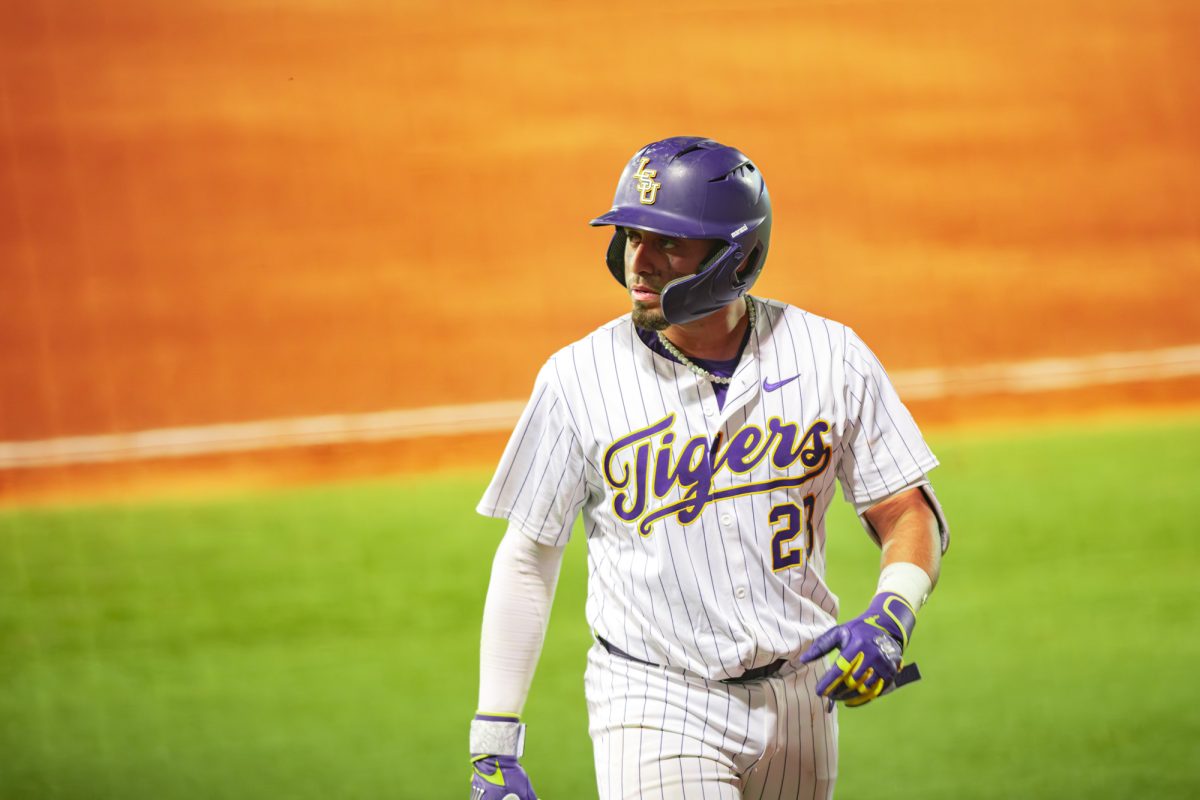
(689, 187)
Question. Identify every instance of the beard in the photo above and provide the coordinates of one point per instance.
(648, 318)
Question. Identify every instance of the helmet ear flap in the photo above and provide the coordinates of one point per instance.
(615, 257)
(750, 268)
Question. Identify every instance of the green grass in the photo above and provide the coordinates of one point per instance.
(323, 643)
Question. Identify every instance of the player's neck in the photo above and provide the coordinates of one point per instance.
(717, 337)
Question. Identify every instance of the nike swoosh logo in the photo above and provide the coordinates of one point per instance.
(770, 387)
(495, 780)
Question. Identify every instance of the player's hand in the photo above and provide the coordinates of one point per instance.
(499, 778)
(871, 646)
(497, 741)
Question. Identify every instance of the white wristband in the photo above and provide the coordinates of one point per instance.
(496, 738)
(907, 580)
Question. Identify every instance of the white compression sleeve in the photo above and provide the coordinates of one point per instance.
(515, 615)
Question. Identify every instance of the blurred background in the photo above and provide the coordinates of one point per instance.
(217, 212)
(356, 230)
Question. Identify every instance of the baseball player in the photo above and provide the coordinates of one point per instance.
(700, 436)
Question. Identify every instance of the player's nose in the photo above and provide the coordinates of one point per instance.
(640, 259)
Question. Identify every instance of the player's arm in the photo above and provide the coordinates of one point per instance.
(910, 529)
(515, 616)
(909, 532)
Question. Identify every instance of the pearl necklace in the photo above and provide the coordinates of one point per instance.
(696, 368)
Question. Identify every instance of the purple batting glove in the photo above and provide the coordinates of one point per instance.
(497, 741)
(870, 647)
(499, 778)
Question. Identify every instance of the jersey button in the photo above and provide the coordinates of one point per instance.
(708, 412)
(740, 592)
(726, 519)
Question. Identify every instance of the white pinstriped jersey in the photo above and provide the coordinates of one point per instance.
(705, 524)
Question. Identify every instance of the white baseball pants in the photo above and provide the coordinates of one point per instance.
(660, 732)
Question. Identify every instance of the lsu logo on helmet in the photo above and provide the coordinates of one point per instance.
(647, 186)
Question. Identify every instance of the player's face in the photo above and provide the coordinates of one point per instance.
(651, 262)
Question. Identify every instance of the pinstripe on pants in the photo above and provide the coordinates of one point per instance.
(660, 732)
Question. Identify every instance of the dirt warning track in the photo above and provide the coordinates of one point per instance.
(218, 211)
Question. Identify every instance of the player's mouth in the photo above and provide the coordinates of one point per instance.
(643, 294)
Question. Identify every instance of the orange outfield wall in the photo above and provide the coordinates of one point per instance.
(224, 210)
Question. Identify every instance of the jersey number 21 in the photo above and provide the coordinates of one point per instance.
(785, 554)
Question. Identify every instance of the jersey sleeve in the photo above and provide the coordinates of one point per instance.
(883, 451)
(539, 483)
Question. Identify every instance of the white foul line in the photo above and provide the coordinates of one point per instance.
(263, 434)
(1049, 374)
(923, 384)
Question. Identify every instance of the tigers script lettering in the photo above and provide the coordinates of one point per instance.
(648, 464)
